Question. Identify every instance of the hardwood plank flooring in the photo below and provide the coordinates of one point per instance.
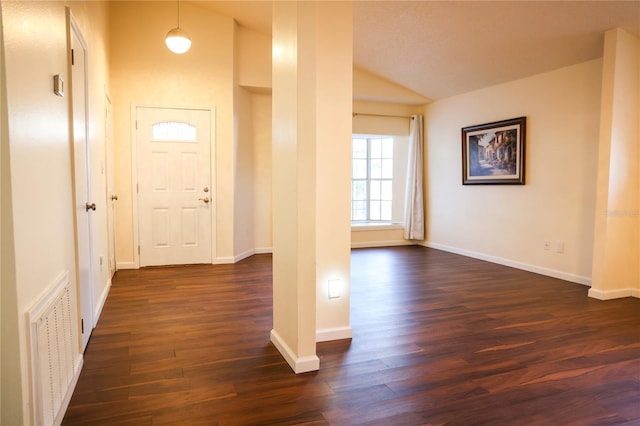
(438, 339)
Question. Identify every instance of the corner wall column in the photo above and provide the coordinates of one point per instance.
(310, 172)
(616, 270)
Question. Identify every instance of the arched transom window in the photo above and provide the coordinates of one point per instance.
(173, 131)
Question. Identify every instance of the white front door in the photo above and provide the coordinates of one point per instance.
(174, 185)
(83, 204)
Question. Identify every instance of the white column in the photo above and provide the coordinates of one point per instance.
(310, 174)
(334, 98)
(616, 271)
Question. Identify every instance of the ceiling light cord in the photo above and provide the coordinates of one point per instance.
(178, 14)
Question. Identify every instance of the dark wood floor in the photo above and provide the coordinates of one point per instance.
(438, 339)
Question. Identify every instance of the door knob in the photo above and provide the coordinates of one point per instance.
(205, 199)
(114, 197)
(91, 206)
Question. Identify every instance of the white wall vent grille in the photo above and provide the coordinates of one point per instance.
(55, 360)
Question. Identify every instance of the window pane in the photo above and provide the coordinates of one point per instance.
(376, 148)
(385, 210)
(386, 191)
(374, 212)
(359, 169)
(374, 190)
(376, 169)
(359, 148)
(387, 169)
(358, 210)
(359, 190)
(174, 131)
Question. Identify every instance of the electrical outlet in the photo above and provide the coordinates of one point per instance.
(547, 245)
(560, 247)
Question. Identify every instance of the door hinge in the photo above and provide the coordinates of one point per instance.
(138, 250)
(82, 325)
(73, 59)
(136, 124)
(137, 187)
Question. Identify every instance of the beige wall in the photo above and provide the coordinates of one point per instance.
(261, 139)
(253, 64)
(37, 203)
(371, 88)
(508, 224)
(145, 72)
(10, 364)
(243, 176)
(378, 236)
(253, 59)
(39, 163)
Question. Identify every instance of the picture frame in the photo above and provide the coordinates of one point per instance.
(494, 153)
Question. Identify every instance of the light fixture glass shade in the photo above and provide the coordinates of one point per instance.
(178, 40)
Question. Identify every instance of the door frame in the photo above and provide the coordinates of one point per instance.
(134, 175)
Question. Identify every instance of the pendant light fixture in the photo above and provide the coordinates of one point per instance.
(177, 40)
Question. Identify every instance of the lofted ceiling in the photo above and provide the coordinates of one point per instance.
(439, 49)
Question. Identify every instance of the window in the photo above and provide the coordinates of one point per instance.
(372, 179)
(173, 131)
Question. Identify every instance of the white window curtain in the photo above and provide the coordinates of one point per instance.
(414, 210)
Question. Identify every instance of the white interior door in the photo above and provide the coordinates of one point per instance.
(174, 185)
(81, 178)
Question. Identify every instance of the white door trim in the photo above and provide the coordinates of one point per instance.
(134, 175)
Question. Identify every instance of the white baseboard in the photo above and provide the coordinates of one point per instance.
(216, 261)
(297, 364)
(72, 386)
(101, 302)
(241, 256)
(613, 294)
(244, 255)
(512, 263)
(366, 244)
(337, 333)
(223, 260)
(127, 265)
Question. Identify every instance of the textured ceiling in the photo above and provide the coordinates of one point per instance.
(443, 48)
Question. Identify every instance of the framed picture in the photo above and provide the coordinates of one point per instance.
(493, 153)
